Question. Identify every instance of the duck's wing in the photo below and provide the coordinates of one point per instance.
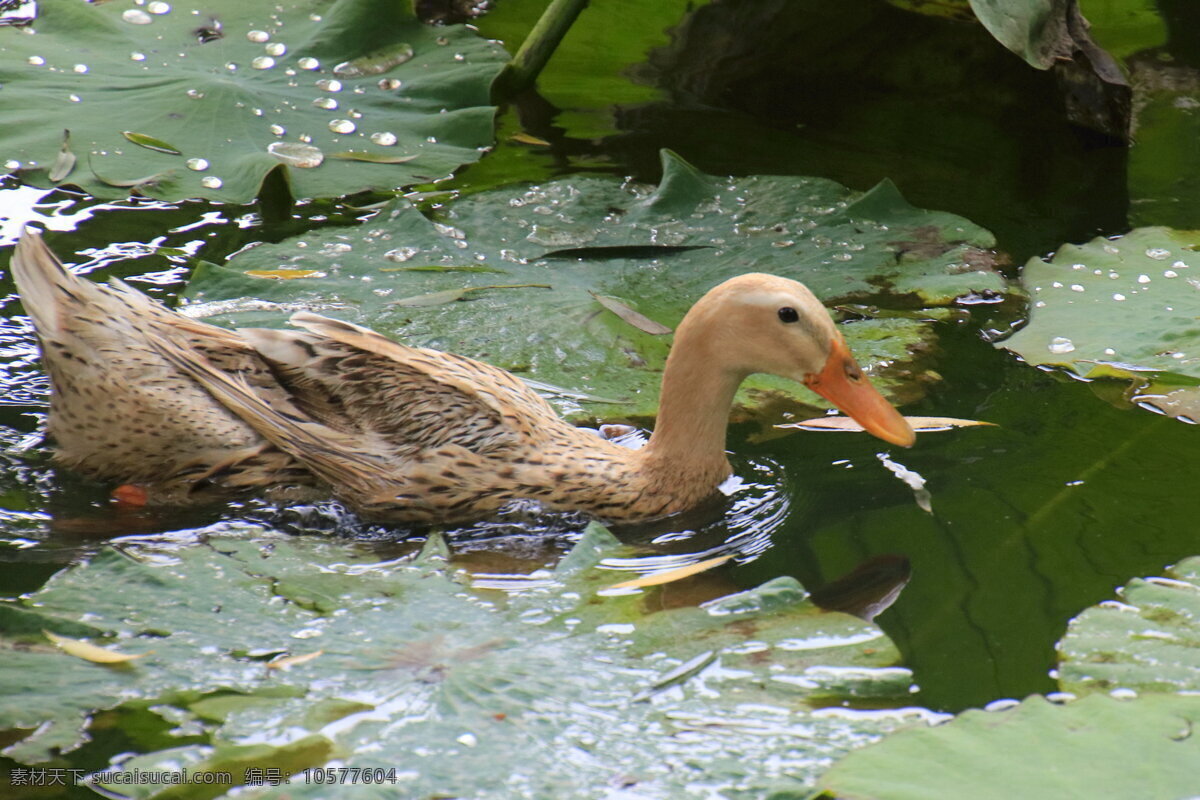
(353, 379)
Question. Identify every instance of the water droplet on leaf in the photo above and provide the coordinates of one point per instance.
(329, 85)
(295, 154)
(327, 103)
(197, 164)
(308, 63)
(258, 36)
(211, 182)
(341, 126)
(384, 138)
(1060, 344)
(135, 16)
(263, 62)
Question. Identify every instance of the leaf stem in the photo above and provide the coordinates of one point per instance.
(520, 73)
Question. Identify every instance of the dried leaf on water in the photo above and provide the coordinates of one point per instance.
(285, 274)
(672, 575)
(64, 162)
(90, 652)
(371, 158)
(150, 143)
(451, 295)
(528, 138)
(919, 424)
(291, 661)
(634, 318)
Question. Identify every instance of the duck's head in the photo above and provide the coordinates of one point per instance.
(765, 323)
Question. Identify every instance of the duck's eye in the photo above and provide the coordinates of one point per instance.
(789, 314)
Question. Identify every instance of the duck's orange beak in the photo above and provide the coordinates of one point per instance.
(842, 382)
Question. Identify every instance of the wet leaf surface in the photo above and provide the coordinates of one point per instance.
(147, 94)
(415, 671)
(1090, 748)
(841, 244)
(1147, 640)
(1126, 307)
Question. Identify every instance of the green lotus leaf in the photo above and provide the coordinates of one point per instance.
(289, 652)
(1089, 748)
(653, 250)
(178, 101)
(1124, 307)
(1149, 640)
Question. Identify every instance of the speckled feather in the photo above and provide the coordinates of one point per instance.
(141, 394)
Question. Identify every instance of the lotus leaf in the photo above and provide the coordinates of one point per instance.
(1090, 748)
(1147, 641)
(176, 101)
(1123, 307)
(547, 690)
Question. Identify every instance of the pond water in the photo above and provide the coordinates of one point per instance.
(1069, 496)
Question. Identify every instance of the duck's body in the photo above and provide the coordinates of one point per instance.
(143, 395)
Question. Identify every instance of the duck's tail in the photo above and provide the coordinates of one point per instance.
(44, 283)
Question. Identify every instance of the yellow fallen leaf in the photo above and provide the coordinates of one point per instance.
(923, 424)
(285, 274)
(291, 661)
(671, 575)
(528, 138)
(90, 652)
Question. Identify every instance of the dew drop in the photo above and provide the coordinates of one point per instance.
(1158, 253)
(159, 7)
(211, 182)
(341, 126)
(195, 94)
(197, 164)
(329, 85)
(12, 164)
(276, 49)
(294, 154)
(137, 56)
(443, 41)
(36, 61)
(401, 253)
(1061, 344)
(80, 68)
(1170, 273)
(232, 67)
(388, 84)
(354, 114)
(1118, 296)
(460, 57)
(327, 103)
(263, 62)
(258, 36)
(431, 139)
(74, 98)
(278, 130)
(135, 16)
(384, 138)
(1075, 287)
(304, 137)
(308, 63)
(1108, 351)
(1143, 278)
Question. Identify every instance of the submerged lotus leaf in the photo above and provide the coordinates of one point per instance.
(1093, 747)
(653, 250)
(543, 691)
(1147, 641)
(1126, 307)
(148, 98)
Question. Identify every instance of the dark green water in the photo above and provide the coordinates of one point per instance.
(1033, 520)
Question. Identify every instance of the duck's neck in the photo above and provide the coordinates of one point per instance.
(697, 393)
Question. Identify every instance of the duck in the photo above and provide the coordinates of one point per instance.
(174, 409)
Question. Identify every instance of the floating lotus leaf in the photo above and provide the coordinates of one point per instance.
(546, 691)
(1149, 640)
(179, 101)
(1090, 748)
(548, 251)
(1125, 307)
